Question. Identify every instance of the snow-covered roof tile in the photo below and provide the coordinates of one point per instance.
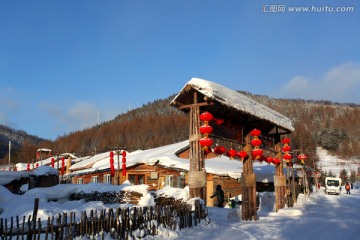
(234, 100)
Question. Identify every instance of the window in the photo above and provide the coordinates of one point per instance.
(107, 178)
(94, 179)
(136, 179)
(79, 181)
(169, 180)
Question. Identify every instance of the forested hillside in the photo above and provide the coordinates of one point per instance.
(23, 145)
(333, 126)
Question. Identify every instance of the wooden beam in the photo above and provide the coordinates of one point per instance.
(196, 105)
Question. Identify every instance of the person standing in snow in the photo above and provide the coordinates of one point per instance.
(219, 194)
(347, 187)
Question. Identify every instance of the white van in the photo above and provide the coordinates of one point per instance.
(332, 185)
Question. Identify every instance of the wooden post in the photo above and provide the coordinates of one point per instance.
(248, 185)
(279, 181)
(197, 174)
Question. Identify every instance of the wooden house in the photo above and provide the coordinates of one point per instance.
(169, 166)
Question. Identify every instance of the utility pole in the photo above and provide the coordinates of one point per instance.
(9, 153)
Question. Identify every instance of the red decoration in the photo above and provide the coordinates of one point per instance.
(37, 165)
(123, 153)
(206, 117)
(112, 168)
(242, 154)
(218, 121)
(231, 153)
(285, 140)
(302, 157)
(123, 160)
(286, 148)
(62, 166)
(276, 161)
(269, 160)
(257, 152)
(206, 129)
(255, 132)
(287, 157)
(28, 167)
(219, 150)
(52, 162)
(256, 142)
(123, 169)
(206, 142)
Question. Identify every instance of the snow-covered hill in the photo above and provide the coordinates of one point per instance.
(328, 162)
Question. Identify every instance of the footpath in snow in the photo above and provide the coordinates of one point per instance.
(318, 216)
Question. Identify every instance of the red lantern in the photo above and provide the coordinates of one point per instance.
(206, 117)
(28, 167)
(37, 165)
(287, 157)
(286, 148)
(231, 153)
(219, 150)
(123, 169)
(257, 152)
(112, 170)
(123, 153)
(285, 140)
(206, 142)
(62, 165)
(255, 132)
(276, 161)
(242, 155)
(206, 129)
(256, 142)
(269, 160)
(123, 160)
(302, 157)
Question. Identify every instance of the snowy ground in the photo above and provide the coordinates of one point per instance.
(318, 216)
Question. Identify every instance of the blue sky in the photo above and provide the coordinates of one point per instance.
(63, 61)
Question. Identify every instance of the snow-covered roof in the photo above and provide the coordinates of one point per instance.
(166, 156)
(44, 150)
(237, 102)
(45, 171)
(9, 176)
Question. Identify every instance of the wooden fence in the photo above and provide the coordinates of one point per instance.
(120, 223)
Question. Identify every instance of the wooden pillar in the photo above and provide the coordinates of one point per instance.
(197, 173)
(248, 185)
(279, 180)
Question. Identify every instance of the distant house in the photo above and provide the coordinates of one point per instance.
(43, 176)
(169, 165)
